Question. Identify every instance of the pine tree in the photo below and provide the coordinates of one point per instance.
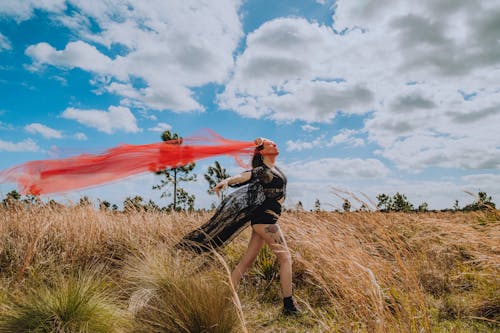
(215, 174)
(384, 202)
(483, 201)
(85, 201)
(364, 208)
(174, 176)
(12, 199)
(423, 207)
(104, 205)
(346, 205)
(400, 203)
(317, 206)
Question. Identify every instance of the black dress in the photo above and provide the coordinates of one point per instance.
(256, 202)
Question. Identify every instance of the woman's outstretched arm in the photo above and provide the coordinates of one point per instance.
(237, 179)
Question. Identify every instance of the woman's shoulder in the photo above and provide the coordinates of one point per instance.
(263, 173)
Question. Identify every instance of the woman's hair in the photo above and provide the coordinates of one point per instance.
(257, 159)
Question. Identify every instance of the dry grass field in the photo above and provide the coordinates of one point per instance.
(78, 269)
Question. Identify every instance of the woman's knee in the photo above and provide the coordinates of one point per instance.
(283, 255)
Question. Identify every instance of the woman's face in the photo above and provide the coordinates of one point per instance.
(270, 148)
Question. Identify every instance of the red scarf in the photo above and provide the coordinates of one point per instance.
(60, 175)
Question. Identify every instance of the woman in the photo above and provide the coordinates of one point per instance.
(259, 203)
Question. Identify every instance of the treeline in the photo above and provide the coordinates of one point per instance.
(385, 203)
(400, 203)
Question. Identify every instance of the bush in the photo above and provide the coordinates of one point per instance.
(168, 297)
(79, 303)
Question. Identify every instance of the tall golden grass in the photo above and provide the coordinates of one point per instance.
(353, 272)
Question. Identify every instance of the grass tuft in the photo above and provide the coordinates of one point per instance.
(172, 295)
(79, 303)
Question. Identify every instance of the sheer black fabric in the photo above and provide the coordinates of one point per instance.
(237, 210)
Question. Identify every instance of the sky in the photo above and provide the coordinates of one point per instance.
(362, 97)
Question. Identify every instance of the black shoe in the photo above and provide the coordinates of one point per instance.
(289, 307)
(291, 312)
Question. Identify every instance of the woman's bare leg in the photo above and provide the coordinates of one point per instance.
(272, 235)
(255, 244)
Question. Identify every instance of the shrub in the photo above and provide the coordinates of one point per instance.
(78, 303)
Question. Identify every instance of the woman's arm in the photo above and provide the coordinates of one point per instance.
(237, 179)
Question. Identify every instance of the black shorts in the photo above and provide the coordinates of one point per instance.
(268, 213)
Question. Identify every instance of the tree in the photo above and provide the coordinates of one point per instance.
(364, 208)
(85, 201)
(456, 206)
(384, 202)
(483, 201)
(346, 206)
(173, 176)
(400, 203)
(104, 205)
(215, 174)
(299, 206)
(185, 200)
(32, 199)
(423, 207)
(12, 196)
(12, 199)
(317, 206)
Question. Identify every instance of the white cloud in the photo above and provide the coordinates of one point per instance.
(327, 169)
(160, 128)
(346, 136)
(288, 72)
(299, 145)
(116, 118)
(80, 136)
(171, 47)
(4, 43)
(309, 128)
(27, 145)
(62, 80)
(150, 116)
(76, 55)
(485, 179)
(45, 131)
(23, 10)
(416, 152)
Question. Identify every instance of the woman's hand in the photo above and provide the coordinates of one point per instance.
(220, 186)
(258, 141)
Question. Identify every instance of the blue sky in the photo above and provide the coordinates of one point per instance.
(361, 96)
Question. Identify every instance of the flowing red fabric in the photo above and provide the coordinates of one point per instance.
(61, 175)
